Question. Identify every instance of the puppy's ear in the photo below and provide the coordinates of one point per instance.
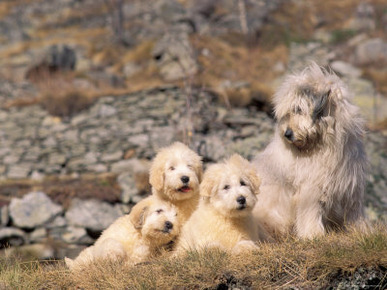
(254, 180)
(247, 169)
(211, 177)
(156, 174)
(139, 212)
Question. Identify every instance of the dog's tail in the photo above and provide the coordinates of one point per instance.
(69, 262)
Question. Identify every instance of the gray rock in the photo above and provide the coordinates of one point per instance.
(19, 171)
(4, 216)
(34, 209)
(114, 156)
(175, 57)
(92, 214)
(38, 235)
(12, 237)
(345, 69)
(58, 222)
(128, 185)
(98, 168)
(131, 165)
(106, 111)
(371, 51)
(76, 235)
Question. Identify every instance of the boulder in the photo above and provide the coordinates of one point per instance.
(91, 214)
(12, 237)
(33, 210)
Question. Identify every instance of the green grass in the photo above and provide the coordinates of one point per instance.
(333, 260)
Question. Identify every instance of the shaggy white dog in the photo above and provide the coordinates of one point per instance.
(149, 229)
(313, 171)
(223, 218)
(175, 175)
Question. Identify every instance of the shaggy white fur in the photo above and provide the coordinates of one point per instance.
(313, 171)
(149, 229)
(175, 175)
(223, 218)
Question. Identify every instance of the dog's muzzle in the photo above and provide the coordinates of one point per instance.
(241, 200)
(168, 226)
(289, 134)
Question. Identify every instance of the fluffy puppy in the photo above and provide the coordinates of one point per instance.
(175, 175)
(223, 217)
(313, 171)
(149, 229)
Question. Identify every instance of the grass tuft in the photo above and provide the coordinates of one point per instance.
(337, 259)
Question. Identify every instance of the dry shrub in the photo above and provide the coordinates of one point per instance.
(225, 59)
(60, 97)
(63, 189)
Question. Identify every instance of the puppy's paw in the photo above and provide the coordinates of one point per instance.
(243, 246)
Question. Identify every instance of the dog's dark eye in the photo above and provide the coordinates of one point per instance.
(159, 210)
(172, 168)
(226, 187)
(297, 110)
(243, 183)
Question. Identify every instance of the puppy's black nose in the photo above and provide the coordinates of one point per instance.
(168, 225)
(288, 134)
(241, 200)
(184, 179)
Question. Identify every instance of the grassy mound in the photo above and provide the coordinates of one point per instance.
(339, 260)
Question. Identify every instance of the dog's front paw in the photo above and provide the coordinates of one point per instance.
(245, 245)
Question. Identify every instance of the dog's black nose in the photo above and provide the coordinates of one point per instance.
(168, 225)
(288, 134)
(241, 200)
(184, 179)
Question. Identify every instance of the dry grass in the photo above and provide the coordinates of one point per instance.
(232, 59)
(63, 189)
(318, 263)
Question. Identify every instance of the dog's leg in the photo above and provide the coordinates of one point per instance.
(244, 245)
(141, 253)
(308, 221)
(109, 249)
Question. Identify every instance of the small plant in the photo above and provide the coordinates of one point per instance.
(341, 35)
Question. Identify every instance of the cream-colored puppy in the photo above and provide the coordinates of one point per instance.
(175, 176)
(149, 229)
(223, 218)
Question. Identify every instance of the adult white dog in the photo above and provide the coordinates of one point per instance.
(313, 171)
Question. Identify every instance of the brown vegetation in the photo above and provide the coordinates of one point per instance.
(318, 263)
(63, 190)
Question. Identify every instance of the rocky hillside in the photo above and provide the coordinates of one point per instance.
(90, 89)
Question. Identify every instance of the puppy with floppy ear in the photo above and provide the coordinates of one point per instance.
(223, 217)
(175, 175)
(149, 229)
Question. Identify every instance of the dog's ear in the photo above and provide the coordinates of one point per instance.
(139, 212)
(254, 180)
(156, 173)
(321, 105)
(211, 177)
(249, 171)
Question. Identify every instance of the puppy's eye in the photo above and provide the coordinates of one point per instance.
(243, 183)
(159, 210)
(297, 110)
(226, 187)
(171, 168)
